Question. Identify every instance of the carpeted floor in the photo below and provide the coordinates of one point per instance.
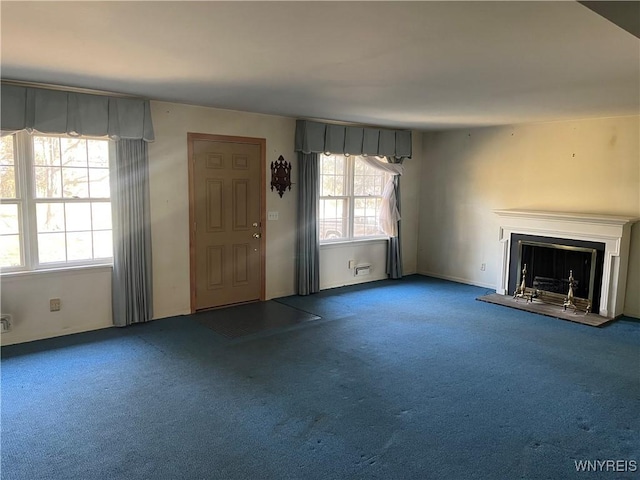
(409, 379)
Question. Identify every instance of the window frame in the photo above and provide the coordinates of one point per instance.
(350, 197)
(27, 200)
(19, 181)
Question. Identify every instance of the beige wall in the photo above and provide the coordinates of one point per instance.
(85, 303)
(170, 207)
(450, 187)
(169, 189)
(588, 166)
(86, 294)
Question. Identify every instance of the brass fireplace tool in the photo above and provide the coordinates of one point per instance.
(569, 301)
(521, 291)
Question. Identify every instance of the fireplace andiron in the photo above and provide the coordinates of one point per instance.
(569, 301)
(521, 291)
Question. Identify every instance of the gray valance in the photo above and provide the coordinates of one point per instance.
(316, 137)
(71, 113)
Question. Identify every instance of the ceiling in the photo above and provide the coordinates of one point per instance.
(420, 65)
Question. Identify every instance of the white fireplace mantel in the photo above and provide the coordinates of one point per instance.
(612, 230)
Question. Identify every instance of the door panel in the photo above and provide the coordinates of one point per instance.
(226, 183)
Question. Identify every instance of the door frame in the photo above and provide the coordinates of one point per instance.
(262, 143)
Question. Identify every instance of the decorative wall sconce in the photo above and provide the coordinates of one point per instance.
(280, 175)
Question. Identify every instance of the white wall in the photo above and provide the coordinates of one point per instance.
(334, 263)
(587, 166)
(85, 303)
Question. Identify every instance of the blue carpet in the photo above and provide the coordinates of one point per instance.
(252, 318)
(398, 380)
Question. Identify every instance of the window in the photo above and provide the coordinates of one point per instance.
(350, 198)
(56, 207)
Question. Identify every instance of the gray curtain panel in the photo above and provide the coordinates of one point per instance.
(308, 239)
(394, 252)
(132, 280)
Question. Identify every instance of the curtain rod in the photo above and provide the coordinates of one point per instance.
(49, 86)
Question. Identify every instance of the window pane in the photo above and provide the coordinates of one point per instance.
(333, 218)
(48, 182)
(369, 185)
(9, 219)
(78, 216)
(358, 185)
(381, 181)
(7, 182)
(79, 246)
(50, 217)
(99, 183)
(98, 153)
(328, 185)
(46, 151)
(75, 182)
(365, 221)
(74, 152)
(101, 215)
(327, 165)
(367, 180)
(10, 251)
(6, 150)
(51, 247)
(103, 244)
(333, 170)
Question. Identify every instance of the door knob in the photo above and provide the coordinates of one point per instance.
(256, 235)
(255, 224)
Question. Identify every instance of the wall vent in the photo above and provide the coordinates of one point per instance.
(362, 270)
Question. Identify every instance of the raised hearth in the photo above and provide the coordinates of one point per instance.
(610, 231)
(593, 320)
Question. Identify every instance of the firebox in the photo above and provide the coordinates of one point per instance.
(550, 262)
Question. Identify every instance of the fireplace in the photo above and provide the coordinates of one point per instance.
(550, 261)
(595, 248)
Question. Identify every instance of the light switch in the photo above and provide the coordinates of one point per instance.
(272, 216)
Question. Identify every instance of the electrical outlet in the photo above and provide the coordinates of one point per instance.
(483, 267)
(54, 305)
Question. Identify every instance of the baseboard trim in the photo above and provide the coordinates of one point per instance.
(357, 282)
(635, 315)
(466, 281)
(8, 339)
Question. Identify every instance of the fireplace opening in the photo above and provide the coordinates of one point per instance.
(550, 261)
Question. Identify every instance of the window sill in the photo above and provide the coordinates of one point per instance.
(73, 270)
(347, 243)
